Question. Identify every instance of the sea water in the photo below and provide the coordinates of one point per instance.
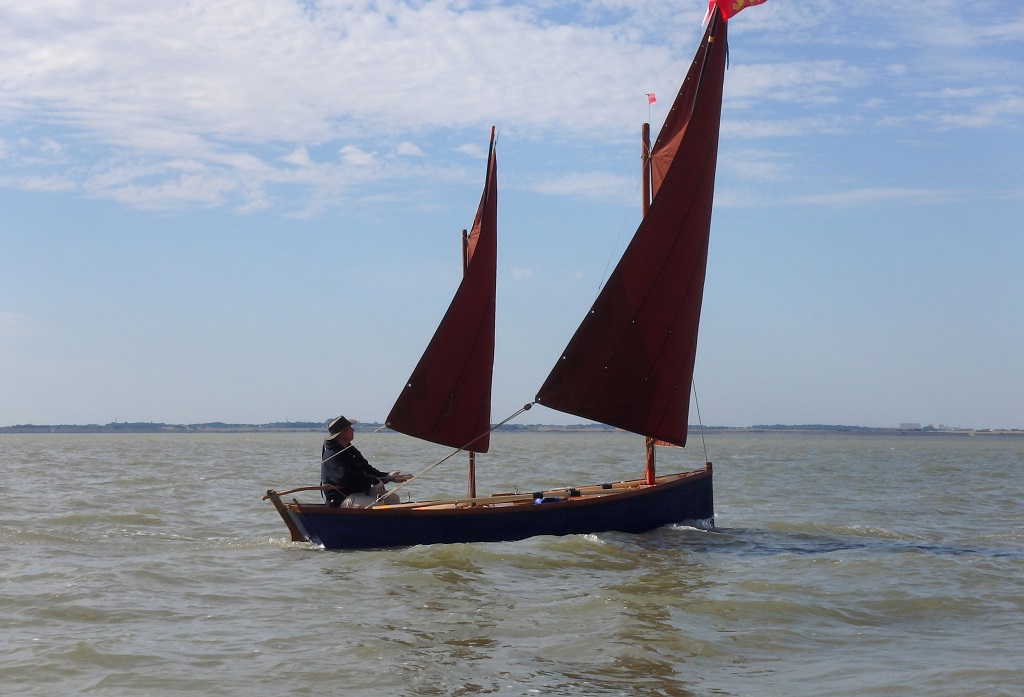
(840, 565)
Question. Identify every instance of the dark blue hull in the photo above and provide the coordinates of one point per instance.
(673, 499)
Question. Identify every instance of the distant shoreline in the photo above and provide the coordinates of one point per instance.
(306, 426)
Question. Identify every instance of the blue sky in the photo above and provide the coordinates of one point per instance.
(250, 212)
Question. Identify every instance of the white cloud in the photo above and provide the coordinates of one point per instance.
(799, 83)
(355, 156)
(34, 182)
(781, 127)
(585, 185)
(204, 190)
(407, 148)
(50, 146)
(985, 112)
(858, 197)
(111, 97)
(473, 150)
(299, 156)
(757, 166)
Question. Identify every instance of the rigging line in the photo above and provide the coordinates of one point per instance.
(350, 445)
(618, 236)
(524, 408)
(700, 422)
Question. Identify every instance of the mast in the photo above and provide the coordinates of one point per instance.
(645, 167)
(645, 205)
(471, 472)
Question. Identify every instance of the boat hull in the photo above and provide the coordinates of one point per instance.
(630, 509)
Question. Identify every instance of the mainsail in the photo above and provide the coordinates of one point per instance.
(630, 362)
(447, 400)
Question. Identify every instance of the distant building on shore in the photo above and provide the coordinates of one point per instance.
(910, 427)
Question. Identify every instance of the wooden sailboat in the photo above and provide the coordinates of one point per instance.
(629, 364)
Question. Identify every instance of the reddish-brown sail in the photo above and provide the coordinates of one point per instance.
(630, 363)
(447, 400)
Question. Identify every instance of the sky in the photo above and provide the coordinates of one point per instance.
(251, 212)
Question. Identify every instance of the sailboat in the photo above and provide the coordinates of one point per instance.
(629, 364)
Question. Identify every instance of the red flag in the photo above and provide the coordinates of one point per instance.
(730, 7)
(650, 98)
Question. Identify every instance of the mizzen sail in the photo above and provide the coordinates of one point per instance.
(447, 400)
(630, 363)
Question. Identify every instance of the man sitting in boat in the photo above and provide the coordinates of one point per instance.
(358, 485)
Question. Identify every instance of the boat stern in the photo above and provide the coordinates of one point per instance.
(294, 523)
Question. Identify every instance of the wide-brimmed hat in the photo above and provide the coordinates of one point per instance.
(336, 427)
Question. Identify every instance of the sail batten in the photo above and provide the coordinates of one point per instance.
(630, 363)
(447, 400)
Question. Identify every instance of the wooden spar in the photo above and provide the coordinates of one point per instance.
(271, 494)
(471, 472)
(645, 160)
(645, 164)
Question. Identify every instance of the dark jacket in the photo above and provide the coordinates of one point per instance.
(347, 468)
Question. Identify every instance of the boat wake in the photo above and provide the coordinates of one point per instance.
(780, 542)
